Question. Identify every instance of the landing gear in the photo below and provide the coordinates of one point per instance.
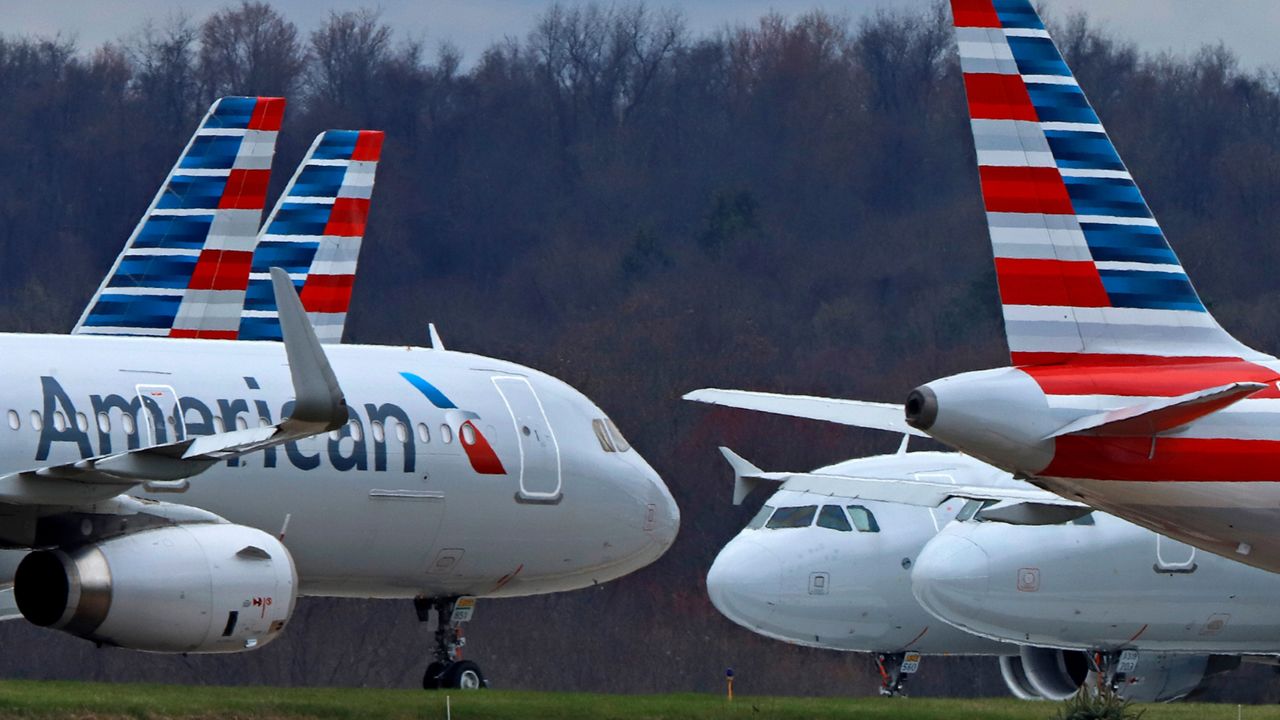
(894, 669)
(447, 669)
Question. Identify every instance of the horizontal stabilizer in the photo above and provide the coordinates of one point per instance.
(917, 492)
(1161, 415)
(856, 413)
(746, 477)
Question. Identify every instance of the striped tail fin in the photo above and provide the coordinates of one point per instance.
(314, 234)
(184, 270)
(1085, 272)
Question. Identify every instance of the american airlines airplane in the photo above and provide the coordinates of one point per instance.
(1123, 391)
(177, 493)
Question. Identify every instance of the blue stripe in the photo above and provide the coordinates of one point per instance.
(212, 152)
(1106, 196)
(337, 145)
(233, 112)
(1127, 243)
(1017, 14)
(1152, 290)
(174, 232)
(256, 328)
(260, 295)
(187, 192)
(292, 256)
(1037, 56)
(154, 271)
(1083, 150)
(142, 311)
(300, 219)
(433, 393)
(318, 181)
(1060, 103)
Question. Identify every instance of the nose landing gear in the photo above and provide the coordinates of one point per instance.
(894, 669)
(447, 668)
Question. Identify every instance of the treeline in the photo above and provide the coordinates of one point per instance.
(640, 210)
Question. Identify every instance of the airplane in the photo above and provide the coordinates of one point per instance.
(957, 540)
(177, 494)
(1123, 391)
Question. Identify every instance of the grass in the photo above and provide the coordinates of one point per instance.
(86, 701)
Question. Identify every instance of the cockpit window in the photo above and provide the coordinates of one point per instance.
(757, 522)
(862, 519)
(793, 517)
(616, 435)
(832, 518)
(602, 434)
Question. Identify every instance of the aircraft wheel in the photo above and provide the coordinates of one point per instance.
(431, 678)
(464, 675)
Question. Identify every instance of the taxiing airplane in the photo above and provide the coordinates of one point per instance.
(1123, 391)
(178, 494)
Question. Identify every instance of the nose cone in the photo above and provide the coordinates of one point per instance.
(662, 515)
(951, 579)
(745, 582)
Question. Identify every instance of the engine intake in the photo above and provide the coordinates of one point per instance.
(187, 588)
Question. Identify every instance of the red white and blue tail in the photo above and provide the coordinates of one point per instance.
(314, 233)
(184, 270)
(1083, 267)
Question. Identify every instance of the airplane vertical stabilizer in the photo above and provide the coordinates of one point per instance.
(314, 233)
(1085, 272)
(184, 270)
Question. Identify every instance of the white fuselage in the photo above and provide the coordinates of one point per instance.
(767, 580)
(1109, 585)
(393, 505)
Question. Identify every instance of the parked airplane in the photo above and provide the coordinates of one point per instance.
(1123, 392)
(392, 472)
(822, 585)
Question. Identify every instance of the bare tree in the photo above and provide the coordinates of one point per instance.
(250, 49)
(349, 50)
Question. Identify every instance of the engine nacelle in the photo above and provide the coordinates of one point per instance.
(1046, 674)
(202, 588)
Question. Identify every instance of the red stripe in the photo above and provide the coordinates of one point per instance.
(327, 293)
(268, 113)
(1175, 459)
(1050, 282)
(368, 146)
(245, 190)
(1146, 376)
(222, 270)
(204, 334)
(974, 13)
(1025, 190)
(483, 459)
(998, 97)
(348, 217)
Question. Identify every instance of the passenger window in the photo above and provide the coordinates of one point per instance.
(218, 425)
(832, 518)
(37, 422)
(758, 521)
(446, 434)
(862, 519)
(424, 433)
(602, 434)
(241, 423)
(104, 423)
(15, 422)
(616, 435)
(402, 432)
(130, 427)
(792, 517)
(357, 431)
(82, 422)
(59, 421)
(379, 435)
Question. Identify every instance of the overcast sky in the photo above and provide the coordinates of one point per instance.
(1181, 26)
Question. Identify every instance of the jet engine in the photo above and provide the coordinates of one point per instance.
(203, 588)
(1046, 674)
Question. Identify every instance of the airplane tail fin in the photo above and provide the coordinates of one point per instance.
(184, 270)
(314, 233)
(1085, 272)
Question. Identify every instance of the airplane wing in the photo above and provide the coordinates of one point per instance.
(857, 413)
(1019, 506)
(319, 407)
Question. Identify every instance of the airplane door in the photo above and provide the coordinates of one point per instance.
(539, 451)
(1173, 556)
(161, 414)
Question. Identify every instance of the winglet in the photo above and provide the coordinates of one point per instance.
(746, 477)
(436, 342)
(318, 400)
